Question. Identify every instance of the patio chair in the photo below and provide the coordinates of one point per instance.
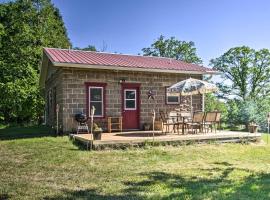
(210, 121)
(167, 122)
(218, 121)
(196, 122)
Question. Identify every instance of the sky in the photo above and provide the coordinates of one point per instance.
(127, 26)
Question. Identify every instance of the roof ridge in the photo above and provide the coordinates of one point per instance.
(132, 55)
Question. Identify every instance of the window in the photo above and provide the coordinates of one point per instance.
(96, 98)
(130, 99)
(171, 99)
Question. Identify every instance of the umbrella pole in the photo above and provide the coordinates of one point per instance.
(191, 108)
(203, 102)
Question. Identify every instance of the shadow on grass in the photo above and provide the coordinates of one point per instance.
(223, 163)
(80, 146)
(91, 194)
(162, 185)
(10, 133)
(4, 196)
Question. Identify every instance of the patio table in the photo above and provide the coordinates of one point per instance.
(180, 118)
(185, 116)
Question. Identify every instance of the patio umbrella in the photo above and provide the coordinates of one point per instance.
(191, 87)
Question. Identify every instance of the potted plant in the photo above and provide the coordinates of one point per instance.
(252, 127)
(97, 131)
(146, 126)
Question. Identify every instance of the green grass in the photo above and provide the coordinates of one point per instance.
(39, 166)
(266, 138)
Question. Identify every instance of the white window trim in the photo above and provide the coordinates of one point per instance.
(102, 100)
(133, 90)
(172, 103)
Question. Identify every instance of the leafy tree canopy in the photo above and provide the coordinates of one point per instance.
(247, 70)
(213, 103)
(173, 48)
(88, 48)
(26, 26)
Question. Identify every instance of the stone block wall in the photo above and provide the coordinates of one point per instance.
(54, 85)
(72, 97)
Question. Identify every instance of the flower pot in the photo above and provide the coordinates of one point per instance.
(253, 128)
(146, 127)
(97, 135)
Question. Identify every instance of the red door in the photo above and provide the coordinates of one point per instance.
(130, 105)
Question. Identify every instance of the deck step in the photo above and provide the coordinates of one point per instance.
(135, 138)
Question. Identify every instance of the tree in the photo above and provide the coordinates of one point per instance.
(244, 112)
(93, 48)
(88, 48)
(247, 70)
(246, 77)
(173, 48)
(213, 103)
(26, 27)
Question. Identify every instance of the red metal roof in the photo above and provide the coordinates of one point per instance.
(120, 60)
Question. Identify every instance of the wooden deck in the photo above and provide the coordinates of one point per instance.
(140, 137)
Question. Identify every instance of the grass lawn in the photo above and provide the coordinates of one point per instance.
(35, 165)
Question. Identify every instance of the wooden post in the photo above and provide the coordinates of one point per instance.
(121, 124)
(109, 124)
(92, 120)
(154, 118)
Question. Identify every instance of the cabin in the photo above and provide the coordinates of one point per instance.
(130, 86)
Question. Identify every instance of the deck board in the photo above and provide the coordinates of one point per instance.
(137, 137)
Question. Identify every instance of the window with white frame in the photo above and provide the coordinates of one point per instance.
(171, 99)
(96, 100)
(130, 99)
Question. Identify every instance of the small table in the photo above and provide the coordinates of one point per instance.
(114, 124)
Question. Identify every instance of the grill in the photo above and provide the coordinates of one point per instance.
(82, 125)
(81, 118)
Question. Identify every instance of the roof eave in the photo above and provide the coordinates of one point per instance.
(138, 69)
